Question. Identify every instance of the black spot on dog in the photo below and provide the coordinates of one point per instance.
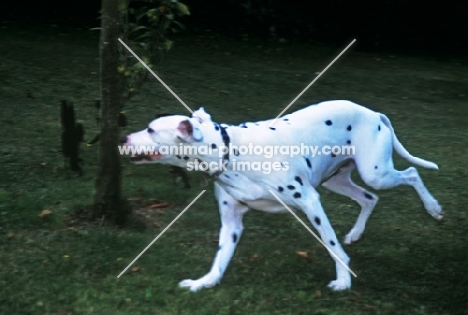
(309, 165)
(227, 176)
(317, 220)
(328, 123)
(186, 158)
(225, 202)
(280, 189)
(348, 142)
(243, 125)
(379, 128)
(376, 167)
(349, 128)
(216, 127)
(368, 196)
(226, 141)
(163, 115)
(178, 156)
(285, 119)
(332, 243)
(291, 187)
(297, 195)
(234, 238)
(272, 128)
(214, 146)
(299, 180)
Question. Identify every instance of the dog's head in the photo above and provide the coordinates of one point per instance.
(170, 131)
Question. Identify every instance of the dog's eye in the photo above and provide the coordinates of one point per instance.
(150, 130)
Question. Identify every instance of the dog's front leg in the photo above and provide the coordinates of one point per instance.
(231, 212)
(309, 202)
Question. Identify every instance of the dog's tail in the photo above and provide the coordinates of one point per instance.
(402, 151)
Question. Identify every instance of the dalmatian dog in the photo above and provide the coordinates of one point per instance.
(331, 123)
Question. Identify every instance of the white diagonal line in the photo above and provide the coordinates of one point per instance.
(162, 232)
(313, 81)
(312, 232)
(155, 75)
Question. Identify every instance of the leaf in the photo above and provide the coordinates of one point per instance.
(123, 5)
(137, 66)
(163, 204)
(167, 22)
(254, 257)
(148, 293)
(152, 12)
(183, 9)
(145, 35)
(137, 28)
(303, 254)
(44, 213)
(168, 44)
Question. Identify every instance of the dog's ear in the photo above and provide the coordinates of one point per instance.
(204, 116)
(187, 132)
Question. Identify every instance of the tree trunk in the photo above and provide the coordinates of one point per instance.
(108, 201)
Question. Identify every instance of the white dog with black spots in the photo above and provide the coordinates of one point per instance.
(332, 123)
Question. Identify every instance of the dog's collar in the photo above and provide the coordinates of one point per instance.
(215, 175)
(226, 140)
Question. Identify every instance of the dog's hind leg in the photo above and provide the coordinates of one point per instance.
(342, 184)
(374, 164)
(390, 177)
(231, 212)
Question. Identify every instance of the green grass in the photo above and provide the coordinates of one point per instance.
(407, 263)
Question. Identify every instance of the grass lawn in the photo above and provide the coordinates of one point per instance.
(407, 262)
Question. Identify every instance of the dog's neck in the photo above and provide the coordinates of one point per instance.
(216, 136)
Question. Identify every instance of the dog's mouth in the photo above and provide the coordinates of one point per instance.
(141, 158)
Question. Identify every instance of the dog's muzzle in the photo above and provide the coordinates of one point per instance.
(140, 157)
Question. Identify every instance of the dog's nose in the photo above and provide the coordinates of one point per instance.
(123, 140)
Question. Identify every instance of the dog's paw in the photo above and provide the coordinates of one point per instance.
(434, 209)
(353, 236)
(196, 285)
(340, 285)
(190, 284)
